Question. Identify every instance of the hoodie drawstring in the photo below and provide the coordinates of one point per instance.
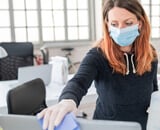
(133, 66)
(127, 72)
(127, 60)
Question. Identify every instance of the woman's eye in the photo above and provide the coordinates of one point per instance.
(129, 24)
(114, 24)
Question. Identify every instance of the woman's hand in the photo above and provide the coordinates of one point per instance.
(53, 115)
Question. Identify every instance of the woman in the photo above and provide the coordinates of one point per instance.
(123, 66)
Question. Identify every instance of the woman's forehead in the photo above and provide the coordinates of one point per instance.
(120, 14)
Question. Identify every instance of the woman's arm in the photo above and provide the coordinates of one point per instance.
(75, 89)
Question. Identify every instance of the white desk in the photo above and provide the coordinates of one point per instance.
(53, 91)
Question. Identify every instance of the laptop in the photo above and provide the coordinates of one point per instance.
(32, 72)
(108, 125)
(21, 122)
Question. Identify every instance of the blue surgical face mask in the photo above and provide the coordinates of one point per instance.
(124, 36)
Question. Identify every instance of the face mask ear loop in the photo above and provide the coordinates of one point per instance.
(133, 66)
(127, 72)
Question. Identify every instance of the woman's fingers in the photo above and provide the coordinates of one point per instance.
(60, 116)
(52, 116)
(66, 106)
(46, 119)
(41, 114)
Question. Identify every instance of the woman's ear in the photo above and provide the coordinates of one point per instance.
(140, 25)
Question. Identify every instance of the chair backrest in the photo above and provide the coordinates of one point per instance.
(19, 54)
(27, 99)
(45, 54)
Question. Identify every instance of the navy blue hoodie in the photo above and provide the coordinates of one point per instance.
(120, 97)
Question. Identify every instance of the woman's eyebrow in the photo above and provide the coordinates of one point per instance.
(130, 19)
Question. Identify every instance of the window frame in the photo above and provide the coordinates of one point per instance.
(150, 16)
(91, 26)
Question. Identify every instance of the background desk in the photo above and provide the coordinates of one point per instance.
(53, 91)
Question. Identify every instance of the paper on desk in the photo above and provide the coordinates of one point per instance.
(68, 123)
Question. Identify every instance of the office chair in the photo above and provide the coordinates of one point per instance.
(19, 54)
(27, 99)
(3, 52)
(45, 53)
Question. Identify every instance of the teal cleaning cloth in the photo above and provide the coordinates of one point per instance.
(68, 123)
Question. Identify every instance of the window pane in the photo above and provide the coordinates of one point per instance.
(46, 4)
(33, 34)
(155, 2)
(82, 4)
(53, 19)
(31, 4)
(4, 16)
(145, 1)
(155, 10)
(58, 18)
(58, 4)
(4, 4)
(83, 33)
(32, 19)
(47, 18)
(71, 4)
(72, 33)
(72, 18)
(19, 17)
(155, 32)
(18, 4)
(83, 17)
(59, 34)
(147, 10)
(20, 34)
(5, 35)
(155, 22)
(48, 34)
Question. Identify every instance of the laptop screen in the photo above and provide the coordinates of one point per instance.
(32, 72)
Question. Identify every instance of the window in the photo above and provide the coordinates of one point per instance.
(41, 21)
(25, 20)
(152, 8)
(5, 26)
